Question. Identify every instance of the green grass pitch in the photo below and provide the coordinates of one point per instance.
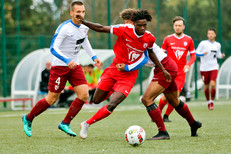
(107, 135)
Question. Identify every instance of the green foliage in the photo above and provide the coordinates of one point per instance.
(107, 136)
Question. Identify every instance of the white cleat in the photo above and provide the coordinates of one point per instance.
(84, 128)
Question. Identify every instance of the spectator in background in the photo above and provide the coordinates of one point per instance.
(91, 80)
(208, 51)
(45, 77)
(98, 71)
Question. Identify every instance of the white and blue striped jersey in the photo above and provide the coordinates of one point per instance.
(67, 41)
(209, 61)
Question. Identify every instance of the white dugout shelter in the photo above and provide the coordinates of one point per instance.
(224, 80)
(27, 75)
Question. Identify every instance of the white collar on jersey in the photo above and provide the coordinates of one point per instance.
(136, 34)
(75, 24)
(178, 36)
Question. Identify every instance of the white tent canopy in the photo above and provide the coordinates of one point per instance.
(27, 75)
(224, 80)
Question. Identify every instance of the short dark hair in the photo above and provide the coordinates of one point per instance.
(141, 14)
(76, 3)
(177, 18)
(212, 29)
(91, 65)
(127, 13)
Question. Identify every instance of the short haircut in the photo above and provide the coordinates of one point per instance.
(212, 29)
(75, 3)
(127, 13)
(177, 18)
(91, 65)
(141, 14)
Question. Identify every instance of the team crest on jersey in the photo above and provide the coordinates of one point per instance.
(145, 45)
(179, 54)
(185, 43)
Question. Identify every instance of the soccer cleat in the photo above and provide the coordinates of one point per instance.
(27, 125)
(194, 126)
(162, 135)
(84, 128)
(66, 128)
(210, 106)
(165, 118)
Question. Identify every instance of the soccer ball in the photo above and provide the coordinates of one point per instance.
(135, 135)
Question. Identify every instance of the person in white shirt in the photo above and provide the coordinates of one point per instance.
(208, 51)
(69, 37)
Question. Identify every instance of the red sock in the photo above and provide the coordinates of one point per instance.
(102, 113)
(74, 109)
(206, 91)
(213, 93)
(40, 107)
(169, 110)
(162, 104)
(184, 111)
(155, 114)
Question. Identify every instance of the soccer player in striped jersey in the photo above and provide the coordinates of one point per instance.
(177, 47)
(133, 44)
(69, 37)
(208, 51)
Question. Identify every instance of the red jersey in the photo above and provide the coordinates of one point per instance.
(177, 48)
(129, 47)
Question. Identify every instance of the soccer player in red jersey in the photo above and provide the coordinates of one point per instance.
(177, 47)
(160, 85)
(131, 48)
(65, 47)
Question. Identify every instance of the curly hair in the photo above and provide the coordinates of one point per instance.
(127, 13)
(141, 14)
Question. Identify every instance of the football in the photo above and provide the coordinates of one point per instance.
(135, 135)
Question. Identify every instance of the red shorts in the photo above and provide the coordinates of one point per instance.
(60, 74)
(208, 76)
(114, 80)
(171, 67)
(180, 80)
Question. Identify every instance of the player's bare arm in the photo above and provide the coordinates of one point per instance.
(158, 64)
(94, 26)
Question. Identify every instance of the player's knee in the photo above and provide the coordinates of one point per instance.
(52, 100)
(96, 100)
(111, 106)
(144, 100)
(84, 97)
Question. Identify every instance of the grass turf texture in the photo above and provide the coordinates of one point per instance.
(107, 136)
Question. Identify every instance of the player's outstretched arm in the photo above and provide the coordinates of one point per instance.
(155, 60)
(94, 26)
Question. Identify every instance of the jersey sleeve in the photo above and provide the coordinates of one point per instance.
(199, 50)
(152, 41)
(87, 47)
(219, 55)
(55, 45)
(117, 30)
(141, 62)
(191, 47)
(192, 53)
(165, 45)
